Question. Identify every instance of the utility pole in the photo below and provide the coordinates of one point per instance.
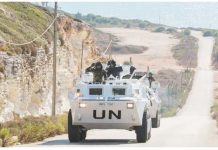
(54, 63)
(81, 59)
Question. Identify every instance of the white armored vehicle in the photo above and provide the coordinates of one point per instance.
(126, 102)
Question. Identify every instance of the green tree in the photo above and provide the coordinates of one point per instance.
(186, 32)
(208, 33)
(78, 15)
(142, 25)
(90, 17)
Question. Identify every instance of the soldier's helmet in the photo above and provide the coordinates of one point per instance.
(150, 74)
(111, 63)
(98, 66)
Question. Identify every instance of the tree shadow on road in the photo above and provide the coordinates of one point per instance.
(92, 142)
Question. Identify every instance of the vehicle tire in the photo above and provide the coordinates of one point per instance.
(156, 121)
(74, 132)
(141, 131)
(83, 135)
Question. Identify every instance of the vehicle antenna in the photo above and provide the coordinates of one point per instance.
(148, 70)
(110, 55)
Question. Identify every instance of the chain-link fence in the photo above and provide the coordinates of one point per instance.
(175, 93)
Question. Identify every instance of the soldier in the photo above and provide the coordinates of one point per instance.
(112, 69)
(98, 72)
(150, 78)
(132, 69)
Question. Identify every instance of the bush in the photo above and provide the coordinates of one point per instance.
(214, 107)
(142, 25)
(171, 30)
(127, 26)
(2, 68)
(159, 29)
(33, 129)
(208, 33)
(187, 32)
(4, 136)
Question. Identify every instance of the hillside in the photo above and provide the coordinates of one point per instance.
(21, 22)
(26, 71)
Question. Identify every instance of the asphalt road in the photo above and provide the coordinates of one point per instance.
(192, 126)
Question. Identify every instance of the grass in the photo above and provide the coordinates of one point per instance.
(215, 54)
(175, 87)
(33, 129)
(169, 113)
(1, 105)
(214, 108)
(23, 23)
(186, 51)
(2, 68)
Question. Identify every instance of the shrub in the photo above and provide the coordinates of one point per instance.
(33, 129)
(4, 136)
(128, 26)
(159, 29)
(208, 33)
(214, 107)
(2, 68)
(142, 25)
(187, 32)
(171, 30)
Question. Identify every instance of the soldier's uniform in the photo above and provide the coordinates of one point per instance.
(132, 69)
(150, 78)
(98, 72)
(112, 69)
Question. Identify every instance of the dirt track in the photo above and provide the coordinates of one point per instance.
(192, 126)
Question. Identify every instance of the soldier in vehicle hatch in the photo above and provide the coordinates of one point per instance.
(150, 78)
(98, 72)
(132, 69)
(112, 69)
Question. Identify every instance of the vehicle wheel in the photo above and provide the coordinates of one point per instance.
(74, 132)
(83, 135)
(156, 121)
(141, 131)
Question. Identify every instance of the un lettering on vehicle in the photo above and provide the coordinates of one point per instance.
(110, 114)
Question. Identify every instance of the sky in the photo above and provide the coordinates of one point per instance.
(173, 14)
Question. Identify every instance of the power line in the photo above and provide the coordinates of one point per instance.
(38, 37)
